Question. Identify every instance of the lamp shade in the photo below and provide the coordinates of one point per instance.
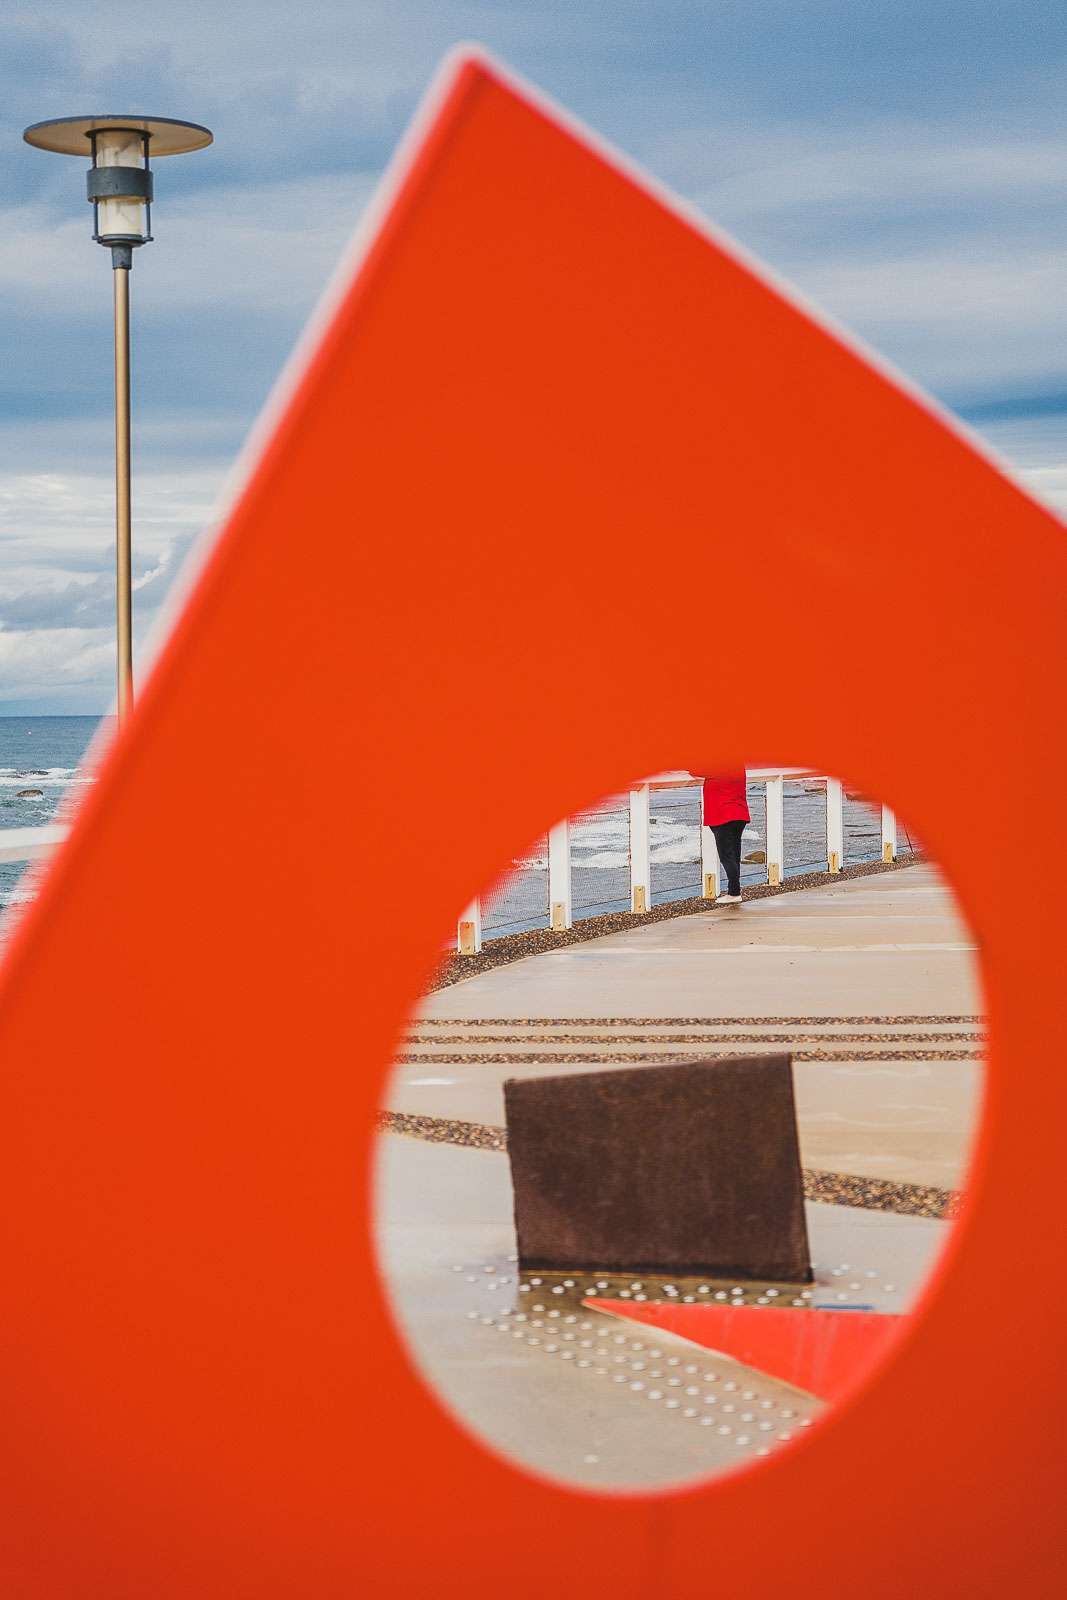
(119, 184)
(71, 136)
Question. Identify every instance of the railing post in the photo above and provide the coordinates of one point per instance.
(889, 835)
(775, 830)
(561, 909)
(835, 824)
(640, 857)
(469, 935)
(709, 864)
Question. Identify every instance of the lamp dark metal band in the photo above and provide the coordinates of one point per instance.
(118, 183)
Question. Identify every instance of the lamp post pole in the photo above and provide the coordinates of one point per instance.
(120, 190)
(123, 519)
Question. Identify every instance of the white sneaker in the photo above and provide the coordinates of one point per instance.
(728, 900)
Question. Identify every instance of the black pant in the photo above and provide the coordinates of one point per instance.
(728, 844)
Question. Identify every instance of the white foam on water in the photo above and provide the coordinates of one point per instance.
(676, 855)
(42, 777)
(16, 897)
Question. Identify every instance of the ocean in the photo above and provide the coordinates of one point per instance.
(42, 770)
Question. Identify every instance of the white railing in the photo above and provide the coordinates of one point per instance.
(34, 844)
(560, 896)
(30, 844)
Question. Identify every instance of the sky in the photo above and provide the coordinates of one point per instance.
(902, 162)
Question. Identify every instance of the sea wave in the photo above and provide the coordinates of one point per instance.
(39, 780)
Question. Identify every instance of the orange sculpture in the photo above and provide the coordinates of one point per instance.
(538, 377)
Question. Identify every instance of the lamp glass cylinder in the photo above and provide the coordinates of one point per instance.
(119, 147)
(121, 216)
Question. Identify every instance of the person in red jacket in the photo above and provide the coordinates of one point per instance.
(725, 813)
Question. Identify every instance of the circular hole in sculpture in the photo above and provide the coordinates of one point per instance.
(663, 1172)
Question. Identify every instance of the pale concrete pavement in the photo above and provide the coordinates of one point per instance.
(873, 982)
(629, 1406)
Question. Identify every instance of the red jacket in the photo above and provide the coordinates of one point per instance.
(725, 799)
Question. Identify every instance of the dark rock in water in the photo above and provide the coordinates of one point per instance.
(30, 794)
(754, 857)
(31, 772)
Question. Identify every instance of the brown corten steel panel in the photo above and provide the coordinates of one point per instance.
(690, 1168)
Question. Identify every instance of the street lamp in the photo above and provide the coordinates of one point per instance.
(119, 184)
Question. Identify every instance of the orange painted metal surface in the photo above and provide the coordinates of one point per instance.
(824, 1352)
(540, 384)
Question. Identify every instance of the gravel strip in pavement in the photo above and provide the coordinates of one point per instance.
(444, 1130)
(499, 1058)
(690, 1022)
(829, 1188)
(476, 1034)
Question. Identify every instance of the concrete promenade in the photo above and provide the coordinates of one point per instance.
(872, 983)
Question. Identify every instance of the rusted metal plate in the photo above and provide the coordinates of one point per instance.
(690, 1167)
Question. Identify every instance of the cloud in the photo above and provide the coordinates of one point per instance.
(44, 661)
(786, 167)
(57, 579)
(942, 247)
(1048, 484)
(963, 321)
(89, 602)
(1035, 447)
(63, 518)
(263, 249)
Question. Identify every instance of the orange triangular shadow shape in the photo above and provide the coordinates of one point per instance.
(823, 1352)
